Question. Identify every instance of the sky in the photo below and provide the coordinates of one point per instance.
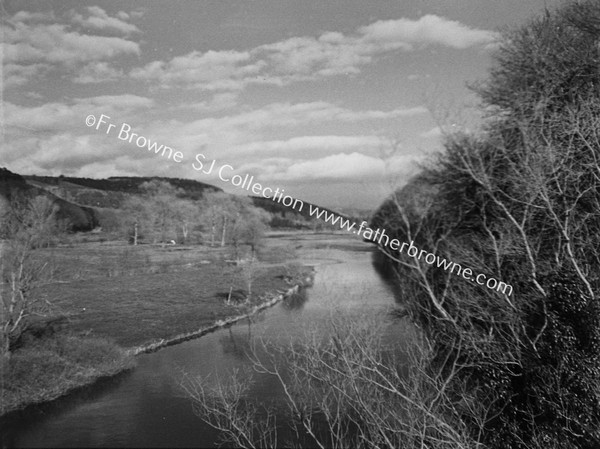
(335, 101)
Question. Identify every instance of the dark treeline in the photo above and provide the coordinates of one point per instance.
(519, 200)
(130, 184)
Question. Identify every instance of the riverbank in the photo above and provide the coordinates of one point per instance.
(107, 320)
(53, 366)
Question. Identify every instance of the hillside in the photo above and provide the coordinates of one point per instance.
(79, 218)
(78, 198)
(111, 192)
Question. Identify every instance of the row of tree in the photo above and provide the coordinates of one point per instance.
(160, 214)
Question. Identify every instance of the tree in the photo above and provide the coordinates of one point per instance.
(233, 219)
(343, 390)
(26, 224)
(137, 217)
(187, 214)
(218, 210)
(250, 225)
(520, 199)
(159, 213)
(160, 198)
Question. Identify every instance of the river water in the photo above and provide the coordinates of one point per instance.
(147, 407)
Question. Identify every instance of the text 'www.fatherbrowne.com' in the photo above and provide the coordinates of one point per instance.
(380, 237)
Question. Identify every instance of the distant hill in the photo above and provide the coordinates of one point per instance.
(111, 192)
(81, 199)
(79, 218)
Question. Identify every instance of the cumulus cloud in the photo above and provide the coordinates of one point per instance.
(17, 75)
(210, 71)
(54, 117)
(429, 29)
(97, 72)
(309, 58)
(97, 19)
(55, 44)
(31, 43)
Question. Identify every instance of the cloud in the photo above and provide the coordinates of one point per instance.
(309, 58)
(212, 70)
(53, 136)
(290, 114)
(429, 29)
(54, 44)
(307, 146)
(31, 44)
(433, 133)
(27, 16)
(97, 72)
(54, 117)
(338, 166)
(225, 135)
(98, 20)
(218, 102)
(18, 75)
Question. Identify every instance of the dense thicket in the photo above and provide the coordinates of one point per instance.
(518, 201)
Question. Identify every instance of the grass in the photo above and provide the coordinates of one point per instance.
(116, 296)
(137, 309)
(56, 365)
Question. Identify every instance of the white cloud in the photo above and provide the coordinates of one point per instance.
(433, 133)
(27, 16)
(54, 117)
(54, 136)
(218, 102)
(224, 135)
(98, 20)
(17, 75)
(429, 29)
(54, 44)
(307, 146)
(338, 166)
(30, 44)
(97, 72)
(290, 114)
(209, 71)
(309, 58)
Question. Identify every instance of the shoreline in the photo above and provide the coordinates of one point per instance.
(221, 324)
(128, 354)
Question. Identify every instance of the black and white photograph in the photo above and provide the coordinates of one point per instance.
(300, 224)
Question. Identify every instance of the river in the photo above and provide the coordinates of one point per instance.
(147, 407)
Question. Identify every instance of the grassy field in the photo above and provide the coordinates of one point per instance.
(112, 296)
(139, 308)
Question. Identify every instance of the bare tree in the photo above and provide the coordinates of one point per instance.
(27, 224)
(344, 390)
